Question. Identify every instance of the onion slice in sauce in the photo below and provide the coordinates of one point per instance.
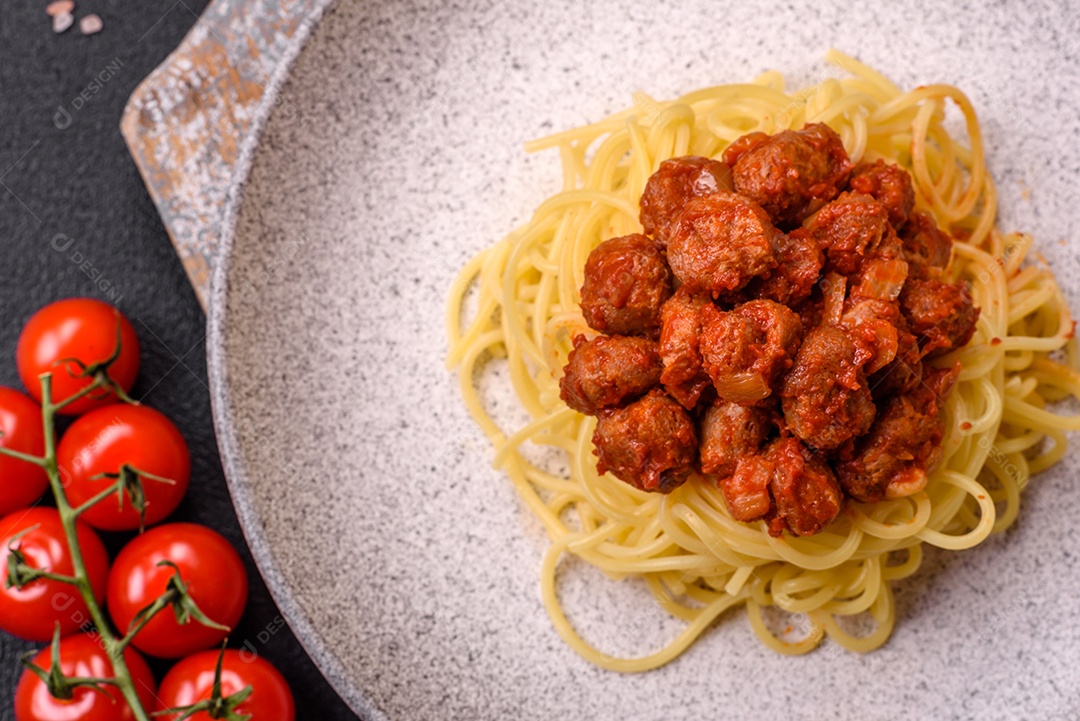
(835, 287)
(742, 387)
(882, 279)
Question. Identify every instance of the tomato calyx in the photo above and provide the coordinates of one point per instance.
(103, 385)
(217, 706)
(20, 573)
(176, 596)
(128, 480)
(183, 605)
(60, 686)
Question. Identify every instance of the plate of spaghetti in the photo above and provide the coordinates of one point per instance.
(779, 347)
(757, 371)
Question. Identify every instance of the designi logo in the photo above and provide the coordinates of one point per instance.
(62, 118)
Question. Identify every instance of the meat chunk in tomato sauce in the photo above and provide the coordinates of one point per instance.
(943, 315)
(826, 398)
(721, 242)
(903, 373)
(626, 282)
(683, 375)
(790, 173)
(607, 371)
(799, 262)
(729, 432)
(926, 245)
(746, 491)
(890, 185)
(871, 326)
(745, 350)
(903, 445)
(812, 310)
(675, 183)
(852, 228)
(803, 486)
(650, 443)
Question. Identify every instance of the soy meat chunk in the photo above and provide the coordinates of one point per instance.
(872, 313)
(812, 310)
(890, 185)
(626, 282)
(607, 371)
(870, 324)
(746, 491)
(799, 262)
(675, 183)
(650, 444)
(804, 488)
(683, 376)
(825, 396)
(926, 247)
(730, 432)
(852, 228)
(903, 373)
(903, 445)
(943, 315)
(720, 242)
(791, 173)
(745, 350)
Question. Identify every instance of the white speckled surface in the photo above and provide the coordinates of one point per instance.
(407, 564)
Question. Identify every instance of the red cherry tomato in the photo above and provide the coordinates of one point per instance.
(33, 611)
(192, 679)
(105, 439)
(82, 655)
(21, 482)
(80, 328)
(212, 570)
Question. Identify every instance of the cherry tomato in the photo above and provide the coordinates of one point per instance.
(211, 569)
(80, 328)
(191, 680)
(21, 482)
(82, 655)
(105, 439)
(33, 611)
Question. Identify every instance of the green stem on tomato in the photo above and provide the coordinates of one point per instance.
(50, 576)
(91, 681)
(99, 382)
(94, 500)
(144, 616)
(183, 605)
(217, 706)
(21, 456)
(68, 516)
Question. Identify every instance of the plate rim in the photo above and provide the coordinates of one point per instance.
(224, 419)
(236, 474)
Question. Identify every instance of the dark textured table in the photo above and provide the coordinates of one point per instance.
(75, 220)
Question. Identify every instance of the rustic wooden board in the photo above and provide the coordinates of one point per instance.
(185, 122)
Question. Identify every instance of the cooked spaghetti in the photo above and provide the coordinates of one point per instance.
(697, 560)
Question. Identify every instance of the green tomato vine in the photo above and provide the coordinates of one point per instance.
(127, 481)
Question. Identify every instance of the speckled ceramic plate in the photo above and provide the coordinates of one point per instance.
(391, 154)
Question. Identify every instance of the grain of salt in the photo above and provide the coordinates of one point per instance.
(90, 24)
(62, 22)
